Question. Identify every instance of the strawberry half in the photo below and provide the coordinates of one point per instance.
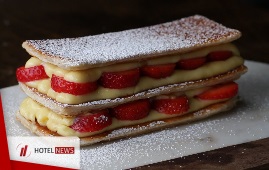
(30, 74)
(158, 71)
(222, 91)
(191, 64)
(121, 79)
(92, 122)
(60, 85)
(219, 55)
(132, 111)
(176, 105)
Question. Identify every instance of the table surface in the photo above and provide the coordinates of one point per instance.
(29, 19)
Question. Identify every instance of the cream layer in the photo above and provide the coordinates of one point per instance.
(208, 70)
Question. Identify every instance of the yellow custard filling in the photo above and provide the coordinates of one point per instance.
(33, 111)
(207, 70)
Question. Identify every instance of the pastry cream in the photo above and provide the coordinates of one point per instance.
(207, 70)
(33, 111)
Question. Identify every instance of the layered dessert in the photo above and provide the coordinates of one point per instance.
(96, 86)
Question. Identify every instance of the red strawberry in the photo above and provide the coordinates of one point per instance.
(176, 105)
(60, 85)
(191, 64)
(219, 55)
(121, 79)
(132, 111)
(30, 74)
(158, 71)
(92, 122)
(222, 91)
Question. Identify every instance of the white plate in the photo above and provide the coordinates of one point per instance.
(247, 122)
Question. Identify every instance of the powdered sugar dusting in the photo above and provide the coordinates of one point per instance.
(157, 144)
(195, 31)
(124, 131)
(100, 119)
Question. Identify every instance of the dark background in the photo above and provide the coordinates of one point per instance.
(30, 19)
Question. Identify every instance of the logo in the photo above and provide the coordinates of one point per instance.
(23, 150)
(55, 150)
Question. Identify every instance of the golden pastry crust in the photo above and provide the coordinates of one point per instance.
(176, 37)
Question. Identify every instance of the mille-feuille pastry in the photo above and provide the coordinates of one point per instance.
(119, 84)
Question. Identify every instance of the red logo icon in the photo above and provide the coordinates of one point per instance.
(23, 151)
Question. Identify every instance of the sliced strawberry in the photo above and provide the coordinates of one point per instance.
(158, 71)
(30, 74)
(61, 85)
(222, 91)
(121, 79)
(92, 122)
(219, 55)
(176, 105)
(132, 111)
(191, 64)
